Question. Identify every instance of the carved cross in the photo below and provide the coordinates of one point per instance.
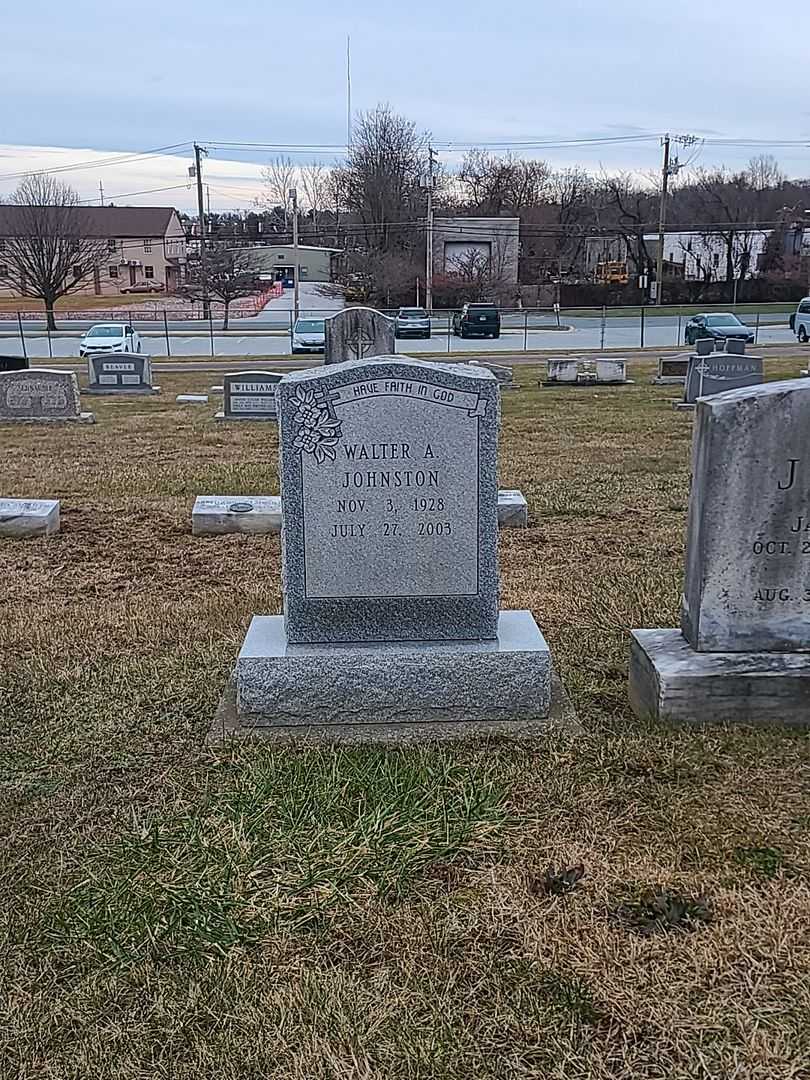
(360, 344)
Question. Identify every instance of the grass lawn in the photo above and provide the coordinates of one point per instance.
(74, 302)
(175, 910)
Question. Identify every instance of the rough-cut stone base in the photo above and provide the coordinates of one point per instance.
(121, 391)
(390, 684)
(82, 418)
(29, 517)
(255, 419)
(192, 399)
(683, 406)
(670, 681)
(668, 380)
(513, 510)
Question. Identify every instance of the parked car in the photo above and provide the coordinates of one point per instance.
(719, 326)
(482, 319)
(800, 321)
(412, 322)
(143, 287)
(308, 335)
(110, 338)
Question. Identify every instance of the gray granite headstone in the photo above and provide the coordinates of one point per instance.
(563, 369)
(672, 370)
(502, 373)
(747, 585)
(249, 395)
(29, 517)
(356, 334)
(40, 395)
(120, 373)
(609, 370)
(390, 495)
(718, 372)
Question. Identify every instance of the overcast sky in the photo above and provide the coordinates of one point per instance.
(92, 76)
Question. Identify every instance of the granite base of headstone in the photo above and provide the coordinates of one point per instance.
(716, 372)
(742, 655)
(29, 517)
(120, 374)
(356, 334)
(218, 515)
(513, 510)
(249, 395)
(41, 396)
(389, 562)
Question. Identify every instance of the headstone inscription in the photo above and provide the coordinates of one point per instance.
(41, 395)
(13, 363)
(389, 558)
(671, 370)
(249, 395)
(356, 334)
(216, 515)
(29, 517)
(718, 372)
(120, 373)
(743, 652)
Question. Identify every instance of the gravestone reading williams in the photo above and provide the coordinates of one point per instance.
(29, 517)
(717, 372)
(13, 363)
(41, 395)
(743, 654)
(119, 373)
(249, 395)
(389, 555)
(357, 333)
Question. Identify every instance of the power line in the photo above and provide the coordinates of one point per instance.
(120, 159)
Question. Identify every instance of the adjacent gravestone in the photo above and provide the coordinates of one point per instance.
(13, 363)
(672, 370)
(29, 517)
(216, 515)
(389, 553)
(513, 510)
(502, 373)
(41, 395)
(191, 399)
(562, 370)
(718, 372)
(610, 371)
(356, 334)
(743, 652)
(249, 395)
(119, 373)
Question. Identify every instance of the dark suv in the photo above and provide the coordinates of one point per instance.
(483, 319)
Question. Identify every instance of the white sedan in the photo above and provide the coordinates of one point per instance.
(110, 338)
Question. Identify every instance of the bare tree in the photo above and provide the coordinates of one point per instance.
(227, 276)
(628, 208)
(380, 180)
(573, 194)
(314, 188)
(47, 252)
(494, 185)
(278, 177)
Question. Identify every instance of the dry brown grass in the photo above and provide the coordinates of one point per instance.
(178, 911)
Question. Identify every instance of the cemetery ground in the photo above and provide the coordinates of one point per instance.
(174, 908)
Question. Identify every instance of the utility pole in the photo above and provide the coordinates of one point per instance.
(198, 152)
(101, 191)
(429, 235)
(662, 215)
(293, 196)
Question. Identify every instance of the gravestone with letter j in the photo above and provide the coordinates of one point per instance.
(743, 652)
(389, 556)
(41, 396)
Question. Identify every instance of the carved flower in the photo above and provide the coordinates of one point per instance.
(318, 432)
(310, 416)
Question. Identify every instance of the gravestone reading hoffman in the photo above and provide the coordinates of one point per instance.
(120, 373)
(357, 333)
(249, 395)
(718, 372)
(41, 395)
(389, 549)
(744, 651)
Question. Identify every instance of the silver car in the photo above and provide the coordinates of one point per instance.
(308, 335)
(412, 322)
